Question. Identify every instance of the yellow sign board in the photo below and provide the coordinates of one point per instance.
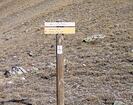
(59, 30)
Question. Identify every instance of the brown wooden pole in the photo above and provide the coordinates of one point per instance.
(59, 70)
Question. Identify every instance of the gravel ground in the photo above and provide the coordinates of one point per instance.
(98, 72)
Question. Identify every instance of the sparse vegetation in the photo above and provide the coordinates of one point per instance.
(95, 74)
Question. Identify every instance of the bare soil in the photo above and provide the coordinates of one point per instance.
(97, 73)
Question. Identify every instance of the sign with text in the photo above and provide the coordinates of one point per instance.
(59, 28)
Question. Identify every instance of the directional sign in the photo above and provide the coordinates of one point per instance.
(59, 28)
(60, 24)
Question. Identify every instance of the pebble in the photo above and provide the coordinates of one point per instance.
(10, 82)
(51, 65)
(132, 89)
(30, 54)
(14, 56)
(84, 65)
(35, 68)
(23, 78)
(119, 103)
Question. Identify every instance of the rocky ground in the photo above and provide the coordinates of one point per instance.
(97, 72)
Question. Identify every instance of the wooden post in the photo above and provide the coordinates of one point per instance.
(59, 70)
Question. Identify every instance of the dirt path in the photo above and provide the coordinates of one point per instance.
(21, 15)
(11, 7)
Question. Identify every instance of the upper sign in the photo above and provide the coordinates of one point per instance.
(59, 28)
(60, 24)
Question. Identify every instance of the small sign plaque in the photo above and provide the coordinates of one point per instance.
(59, 49)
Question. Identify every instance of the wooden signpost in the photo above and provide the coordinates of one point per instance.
(59, 28)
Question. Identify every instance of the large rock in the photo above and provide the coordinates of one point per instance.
(93, 38)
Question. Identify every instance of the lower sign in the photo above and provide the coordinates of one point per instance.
(59, 30)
